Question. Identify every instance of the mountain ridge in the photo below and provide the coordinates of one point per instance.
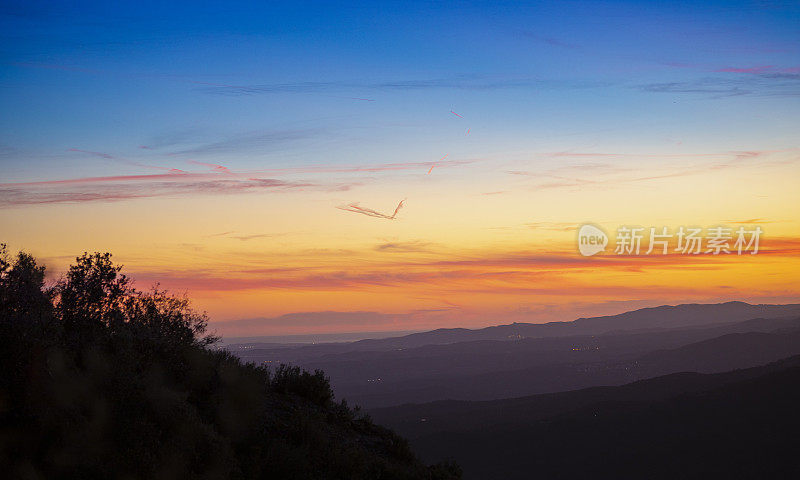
(664, 316)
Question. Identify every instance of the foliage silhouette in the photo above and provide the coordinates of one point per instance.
(100, 380)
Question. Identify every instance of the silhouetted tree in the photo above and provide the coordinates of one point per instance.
(23, 294)
(92, 294)
(165, 317)
(292, 380)
(99, 380)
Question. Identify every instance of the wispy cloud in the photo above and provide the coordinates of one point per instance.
(752, 81)
(213, 166)
(712, 88)
(746, 69)
(605, 174)
(499, 273)
(760, 69)
(384, 167)
(353, 89)
(108, 156)
(221, 234)
(140, 186)
(464, 82)
(555, 226)
(245, 238)
(551, 41)
(366, 168)
(220, 180)
(412, 246)
(434, 164)
(257, 140)
(96, 154)
(355, 208)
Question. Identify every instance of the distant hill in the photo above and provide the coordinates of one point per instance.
(663, 317)
(666, 316)
(491, 369)
(738, 424)
(734, 350)
(419, 420)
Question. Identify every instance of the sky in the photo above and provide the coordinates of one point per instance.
(254, 156)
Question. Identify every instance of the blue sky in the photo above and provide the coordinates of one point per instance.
(304, 83)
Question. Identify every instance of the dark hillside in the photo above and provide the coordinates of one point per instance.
(739, 424)
(102, 381)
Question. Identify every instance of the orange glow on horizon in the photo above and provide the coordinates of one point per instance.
(455, 257)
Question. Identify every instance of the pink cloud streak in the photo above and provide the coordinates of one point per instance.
(353, 207)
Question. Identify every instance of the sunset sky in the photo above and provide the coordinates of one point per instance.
(219, 150)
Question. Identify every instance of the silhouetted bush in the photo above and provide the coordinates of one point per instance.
(100, 380)
(314, 387)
